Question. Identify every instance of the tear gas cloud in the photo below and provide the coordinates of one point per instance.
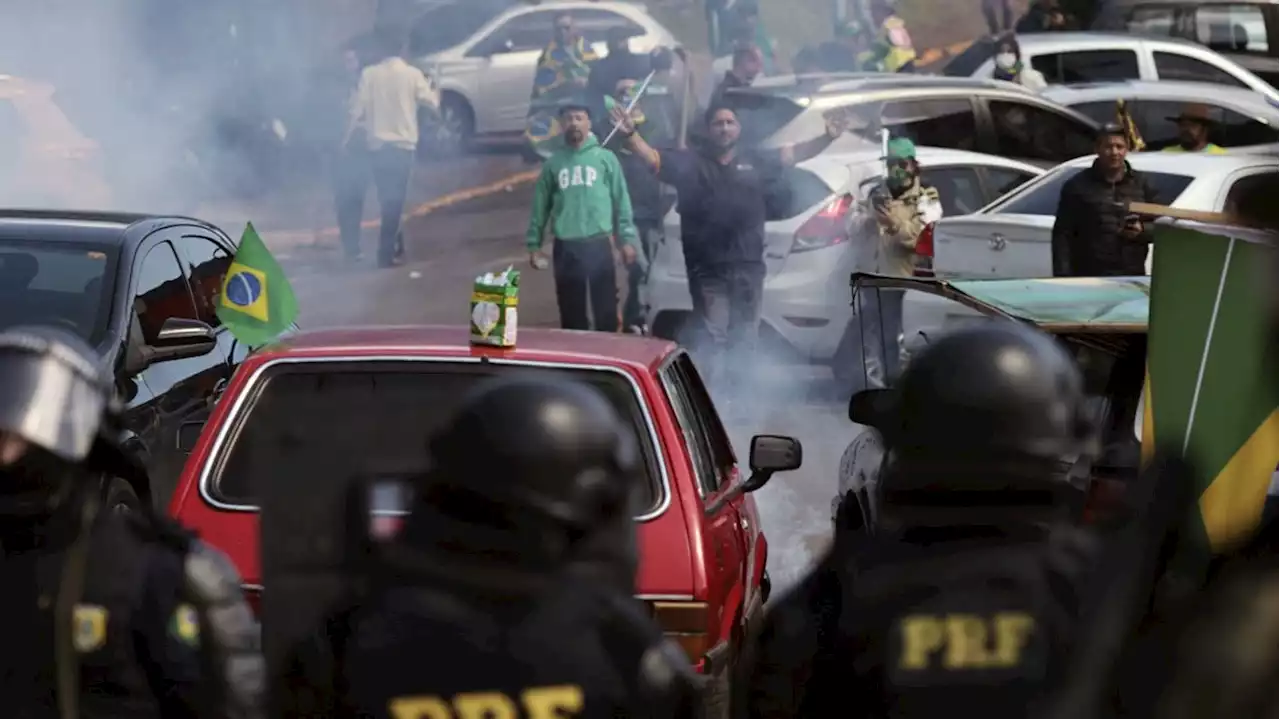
(189, 103)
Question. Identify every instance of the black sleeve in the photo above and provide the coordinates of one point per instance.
(777, 187)
(1064, 230)
(166, 635)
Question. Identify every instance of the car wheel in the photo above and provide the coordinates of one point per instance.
(456, 127)
(118, 496)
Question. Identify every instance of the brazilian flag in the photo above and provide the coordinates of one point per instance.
(257, 303)
(1211, 382)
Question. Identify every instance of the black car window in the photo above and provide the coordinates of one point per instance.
(444, 26)
(694, 438)
(531, 31)
(1101, 112)
(1043, 198)
(1238, 28)
(948, 123)
(708, 419)
(1155, 20)
(1231, 129)
(371, 418)
(1003, 180)
(60, 283)
(594, 25)
(1171, 66)
(1066, 68)
(807, 190)
(761, 114)
(958, 188)
(206, 264)
(162, 292)
(1032, 132)
(1253, 199)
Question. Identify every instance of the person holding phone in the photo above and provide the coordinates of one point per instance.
(1094, 234)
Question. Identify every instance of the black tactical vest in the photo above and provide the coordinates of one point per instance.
(102, 628)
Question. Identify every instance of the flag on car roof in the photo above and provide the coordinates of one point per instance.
(257, 303)
(1211, 383)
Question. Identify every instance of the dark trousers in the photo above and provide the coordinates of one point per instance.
(879, 319)
(585, 273)
(726, 303)
(350, 171)
(634, 309)
(391, 168)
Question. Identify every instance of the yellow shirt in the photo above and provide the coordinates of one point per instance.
(1211, 149)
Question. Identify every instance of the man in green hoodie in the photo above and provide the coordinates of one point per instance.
(583, 193)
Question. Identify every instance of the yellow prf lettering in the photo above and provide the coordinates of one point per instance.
(484, 705)
(539, 702)
(1012, 631)
(968, 641)
(420, 708)
(552, 702)
(921, 637)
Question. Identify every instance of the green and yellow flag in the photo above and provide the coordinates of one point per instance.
(257, 303)
(1211, 382)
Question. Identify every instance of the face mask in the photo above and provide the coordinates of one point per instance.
(899, 179)
(1006, 60)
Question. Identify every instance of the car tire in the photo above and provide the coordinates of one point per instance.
(457, 126)
(119, 496)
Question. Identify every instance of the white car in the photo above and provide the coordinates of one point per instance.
(1245, 120)
(809, 256)
(1068, 58)
(1011, 237)
(483, 54)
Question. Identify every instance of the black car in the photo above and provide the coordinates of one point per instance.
(142, 290)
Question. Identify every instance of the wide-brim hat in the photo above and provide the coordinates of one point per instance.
(1195, 112)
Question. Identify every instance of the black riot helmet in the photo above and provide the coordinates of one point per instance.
(54, 395)
(982, 428)
(544, 463)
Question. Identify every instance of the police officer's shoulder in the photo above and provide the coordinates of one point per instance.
(152, 528)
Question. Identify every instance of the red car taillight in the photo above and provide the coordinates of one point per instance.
(828, 227)
(924, 252)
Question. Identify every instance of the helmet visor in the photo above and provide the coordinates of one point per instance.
(49, 403)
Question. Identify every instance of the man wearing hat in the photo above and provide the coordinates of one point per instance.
(900, 211)
(1194, 123)
(583, 193)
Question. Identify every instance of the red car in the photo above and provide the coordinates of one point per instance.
(702, 568)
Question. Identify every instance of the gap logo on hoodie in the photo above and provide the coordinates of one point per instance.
(576, 176)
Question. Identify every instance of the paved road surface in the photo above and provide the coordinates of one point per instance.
(447, 249)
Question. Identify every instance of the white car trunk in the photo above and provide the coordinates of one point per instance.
(974, 246)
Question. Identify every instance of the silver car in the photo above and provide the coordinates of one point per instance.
(1067, 58)
(1245, 119)
(987, 116)
(809, 255)
(483, 57)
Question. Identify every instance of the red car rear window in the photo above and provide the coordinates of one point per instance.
(382, 414)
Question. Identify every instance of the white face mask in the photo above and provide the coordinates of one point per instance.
(1006, 60)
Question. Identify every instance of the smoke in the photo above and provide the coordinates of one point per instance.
(186, 102)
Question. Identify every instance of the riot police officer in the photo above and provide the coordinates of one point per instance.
(945, 592)
(107, 613)
(508, 592)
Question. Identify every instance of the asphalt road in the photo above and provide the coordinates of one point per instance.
(446, 249)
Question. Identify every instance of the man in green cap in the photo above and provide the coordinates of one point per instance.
(900, 211)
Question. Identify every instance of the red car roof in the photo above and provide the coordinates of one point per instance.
(533, 344)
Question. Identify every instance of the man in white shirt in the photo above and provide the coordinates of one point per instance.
(385, 108)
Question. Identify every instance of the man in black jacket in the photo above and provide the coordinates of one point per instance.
(1094, 234)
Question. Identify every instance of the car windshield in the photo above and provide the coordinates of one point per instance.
(442, 26)
(58, 283)
(1040, 197)
(761, 115)
(374, 418)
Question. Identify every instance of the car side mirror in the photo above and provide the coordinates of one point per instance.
(870, 407)
(178, 338)
(188, 435)
(769, 454)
